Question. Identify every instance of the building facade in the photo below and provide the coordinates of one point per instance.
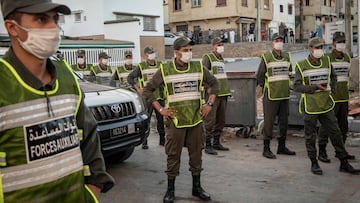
(311, 16)
(218, 16)
(284, 17)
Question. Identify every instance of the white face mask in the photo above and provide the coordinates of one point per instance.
(104, 61)
(152, 56)
(41, 43)
(80, 61)
(220, 49)
(340, 47)
(278, 45)
(317, 53)
(128, 61)
(186, 56)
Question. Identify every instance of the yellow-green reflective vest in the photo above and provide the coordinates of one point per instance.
(42, 161)
(320, 101)
(147, 72)
(84, 72)
(218, 70)
(277, 79)
(183, 91)
(341, 68)
(102, 76)
(123, 74)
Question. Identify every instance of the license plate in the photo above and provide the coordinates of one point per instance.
(123, 130)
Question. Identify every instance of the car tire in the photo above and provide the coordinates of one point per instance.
(120, 156)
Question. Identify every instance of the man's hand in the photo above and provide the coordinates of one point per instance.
(95, 190)
(321, 86)
(205, 110)
(170, 113)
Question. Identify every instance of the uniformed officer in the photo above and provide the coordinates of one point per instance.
(316, 80)
(122, 72)
(273, 78)
(102, 71)
(183, 81)
(340, 61)
(140, 76)
(215, 121)
(81, 67)
(49, 147)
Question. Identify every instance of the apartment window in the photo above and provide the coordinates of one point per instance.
(307, 3)
(244, 3)
(220, 2)
(281, 9)
(149, 24)
(196, 3)
(324, 2)
(290, 9)
(77, 17)
(177, 5)
(266, 5)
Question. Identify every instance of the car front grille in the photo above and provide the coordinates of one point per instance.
(113, 111)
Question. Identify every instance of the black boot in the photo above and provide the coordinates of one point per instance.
(208, 146)
(162, 139)
(267, 153)
(218, 146)
(315, 168)
(347, 168)
(198, 191)
(170, 192)
(144, 144)
(282, 149)
(322, 154)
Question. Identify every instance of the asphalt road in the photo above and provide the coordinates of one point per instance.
(240, 175)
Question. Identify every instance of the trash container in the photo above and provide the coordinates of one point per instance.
(241, 106)
(295, 118)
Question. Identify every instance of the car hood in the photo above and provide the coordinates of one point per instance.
(96, 95)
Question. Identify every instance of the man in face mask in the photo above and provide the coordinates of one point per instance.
(102, 71)
(122, 72)
(316, 80)
(215, 121)
(138, 78)
(273, 78)
(340, 62)
(81, 67)
(183, 82)
(37, 96)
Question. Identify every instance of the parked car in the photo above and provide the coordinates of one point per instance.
(169, 38)
(122, 118)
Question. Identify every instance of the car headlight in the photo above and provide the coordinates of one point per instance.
(139, 103)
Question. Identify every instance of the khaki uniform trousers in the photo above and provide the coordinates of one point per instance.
(176, 139)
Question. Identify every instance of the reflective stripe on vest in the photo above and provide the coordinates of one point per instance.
(147, 72)
(277, 79)
(342, 69)
(3, 159)
(148, 75)
(183, 89)
(41, 171)
(320, 101)
(24, 113)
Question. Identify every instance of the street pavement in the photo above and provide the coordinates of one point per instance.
(241, 175)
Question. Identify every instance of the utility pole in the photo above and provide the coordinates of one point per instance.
(358, 41)
(348, 32)
(301, 20)
(258, 22)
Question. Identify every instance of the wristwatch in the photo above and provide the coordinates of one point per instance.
(210, 103)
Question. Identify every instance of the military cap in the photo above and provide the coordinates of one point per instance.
(32, 7)
(128, 53)
(104, 55)
(339, 37)
(276, 36)
(80, 52)
(316, 42)
(181, 42)
(217, 40)
(149, 50)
